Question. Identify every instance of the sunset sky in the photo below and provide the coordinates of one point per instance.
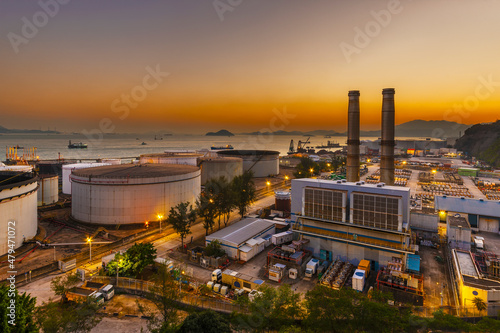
(230, 66)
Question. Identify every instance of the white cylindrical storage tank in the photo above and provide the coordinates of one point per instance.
(215, 167)
(48, 190)
(128, 194)
(68, 168)
(170, 158)
(16, 168)
(262, 163)
(18, 211)
(111, 161)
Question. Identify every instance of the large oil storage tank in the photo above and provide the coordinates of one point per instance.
(69, 168)
(262, 163)
(128, 193)
(215, 167)
(170, 158)
(48, 190)
(18, 215)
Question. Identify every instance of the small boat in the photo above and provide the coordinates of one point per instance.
(222, 147)
(330, 144)
(143, 143)
(78, 145)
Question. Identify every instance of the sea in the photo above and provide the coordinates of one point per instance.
(130, 146)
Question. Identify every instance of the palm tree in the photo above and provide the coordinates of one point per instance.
(479, 303)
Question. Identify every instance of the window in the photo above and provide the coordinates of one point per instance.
(324, 204)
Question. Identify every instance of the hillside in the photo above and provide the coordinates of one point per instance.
(414, 128)
(220, 133)
(483, 142)
(4, 130)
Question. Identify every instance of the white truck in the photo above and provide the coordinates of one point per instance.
(479, 241)
(312, 267)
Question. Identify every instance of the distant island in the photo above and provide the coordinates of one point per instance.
(220, 133)
(4, 130)
(415, 128)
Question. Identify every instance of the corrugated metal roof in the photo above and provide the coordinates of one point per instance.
(469, 206)
(241, 231)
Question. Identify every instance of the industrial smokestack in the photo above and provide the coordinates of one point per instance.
(387, 144)
(353, 137)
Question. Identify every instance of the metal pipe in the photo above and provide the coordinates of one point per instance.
(387, 144)
(353, 137)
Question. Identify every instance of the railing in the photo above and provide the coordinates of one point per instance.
(198, 301)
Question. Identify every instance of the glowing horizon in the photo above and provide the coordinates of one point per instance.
(262, 56)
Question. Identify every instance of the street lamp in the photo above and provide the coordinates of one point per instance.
(89, 240)
(160, 217)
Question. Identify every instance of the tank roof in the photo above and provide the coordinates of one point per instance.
(136, 171)
(219, 159)
(173, 155)
(248, 152)
(10, 179)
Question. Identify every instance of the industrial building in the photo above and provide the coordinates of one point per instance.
(48, 190)
(458, 232)
(18, 209)
(262, 163)
(127, 193)
(351, 220)
(170, 158)
(215, 167)
(482, 215)
(471, 283)
(244, 239)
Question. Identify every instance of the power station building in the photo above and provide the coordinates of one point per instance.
(128, 194)
(18, 209)
(352, 220)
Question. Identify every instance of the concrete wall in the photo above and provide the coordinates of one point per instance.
(427, 222)
(20, 210)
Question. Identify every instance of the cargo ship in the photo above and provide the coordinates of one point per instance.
(222, 147)
(330, 144)
(78, 145)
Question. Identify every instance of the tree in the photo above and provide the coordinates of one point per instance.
(206, 208)
(226, 199)
(214, 249)
(61, 284)
(78, 317)
(244, 191)
(306, 168)
(165, 296)
(133, 261)
(21, 319)
(479, 304)
(181, 218)
(271, 310)
(205, 321)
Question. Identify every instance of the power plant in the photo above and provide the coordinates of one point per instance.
(387, 144)
(353, 137)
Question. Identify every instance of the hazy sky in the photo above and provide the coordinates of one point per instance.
(230, 63)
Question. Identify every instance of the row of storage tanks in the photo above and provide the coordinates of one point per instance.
(112, 193)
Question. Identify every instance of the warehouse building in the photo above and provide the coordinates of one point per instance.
(127, 194)
(483, 215)
(471, 283)
(353, 221)
(244, 239)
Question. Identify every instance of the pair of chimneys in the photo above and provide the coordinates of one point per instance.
(387, 143)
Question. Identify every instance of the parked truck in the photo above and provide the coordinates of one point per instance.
(79, 294)
(311, 267)
(108, 290)
(235, 280)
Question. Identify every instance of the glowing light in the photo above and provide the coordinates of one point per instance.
(328, 164)
(89, 239)
(311, 170)
(286, 177)
(434, 171)
(268, 183)
(159, 216)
